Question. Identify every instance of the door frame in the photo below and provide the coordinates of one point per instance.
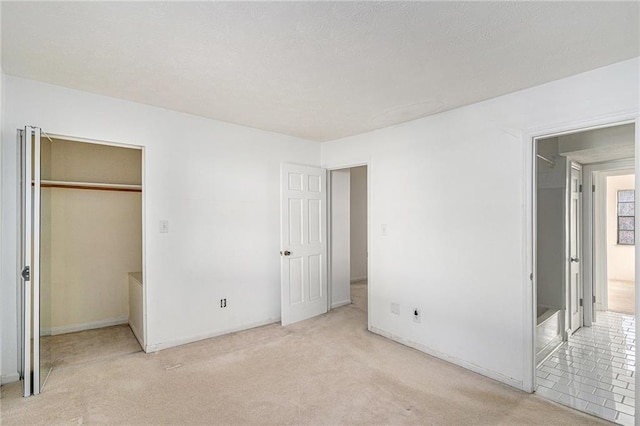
(47, 135)
(529, 284)
(143, 209)
(595, 205)
(343, 166)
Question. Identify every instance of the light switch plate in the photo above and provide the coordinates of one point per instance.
(164, 226)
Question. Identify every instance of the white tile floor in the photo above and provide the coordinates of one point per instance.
(595, 370)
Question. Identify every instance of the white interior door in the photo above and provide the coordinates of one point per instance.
(30, 258)
(303, 237)
(575, 249)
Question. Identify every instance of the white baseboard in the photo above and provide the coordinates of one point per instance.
(518, 384)
(354, 280)
(178, 342)
(82, 327)
(341, 303)
(9, 378)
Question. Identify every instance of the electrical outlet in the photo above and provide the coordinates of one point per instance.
(416, 315)
(223, 303)
(164, 226)
(395, 308)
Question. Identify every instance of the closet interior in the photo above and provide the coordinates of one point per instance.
(91, 253)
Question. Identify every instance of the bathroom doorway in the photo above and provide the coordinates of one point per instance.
(584, 352)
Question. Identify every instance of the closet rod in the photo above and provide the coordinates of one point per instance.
(90, 186)
(551, 163)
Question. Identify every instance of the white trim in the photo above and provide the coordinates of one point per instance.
(339, 304)
(9, 378)
(52, 331)
(453, 360)
(183, 341)
(92, 141)
(595, 247)
(530, 137)
(35, 267)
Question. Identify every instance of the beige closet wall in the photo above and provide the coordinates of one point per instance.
(91, 239)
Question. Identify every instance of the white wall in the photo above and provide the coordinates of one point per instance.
(216, 183)
(452, 190)
(358, 223)
(620, 258)
(551, 219)
(340, 234)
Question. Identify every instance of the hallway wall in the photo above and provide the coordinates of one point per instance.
(551, 225)
(358, 223)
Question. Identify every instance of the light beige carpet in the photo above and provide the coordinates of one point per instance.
(64, 350)
(327, 370)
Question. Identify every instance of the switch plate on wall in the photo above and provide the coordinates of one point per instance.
(383, 229)
(164, 226)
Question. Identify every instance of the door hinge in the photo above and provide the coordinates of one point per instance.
(580, 302)
(531, 276)
(593, 188)
(580, 188)
(26, 273)
(594, 299)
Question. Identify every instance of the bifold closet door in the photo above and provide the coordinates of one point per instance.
(30, 258)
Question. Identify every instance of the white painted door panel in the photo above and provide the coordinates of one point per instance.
(303, 242)
(575, 229)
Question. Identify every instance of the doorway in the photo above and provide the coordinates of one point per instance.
(85, 254)
(349, 237)
(620, 244)
(584, 352)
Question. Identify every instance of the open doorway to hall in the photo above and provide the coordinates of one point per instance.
(585, 266)
(620, 243)
(349, 240)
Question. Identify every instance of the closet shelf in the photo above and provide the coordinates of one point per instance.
(90, 185)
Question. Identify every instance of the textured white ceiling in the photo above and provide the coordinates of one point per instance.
(317, 70)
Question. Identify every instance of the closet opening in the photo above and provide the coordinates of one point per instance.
(91, 253)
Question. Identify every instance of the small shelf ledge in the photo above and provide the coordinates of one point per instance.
(90, 185)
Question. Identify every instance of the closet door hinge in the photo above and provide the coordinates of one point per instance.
(580, 302)
(26, 274)
(593, 188)
(580, 188)
(594, 299)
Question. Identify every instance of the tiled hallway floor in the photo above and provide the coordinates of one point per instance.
(595, 370)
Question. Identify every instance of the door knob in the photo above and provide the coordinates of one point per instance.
(285, 253)
(575, 259)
